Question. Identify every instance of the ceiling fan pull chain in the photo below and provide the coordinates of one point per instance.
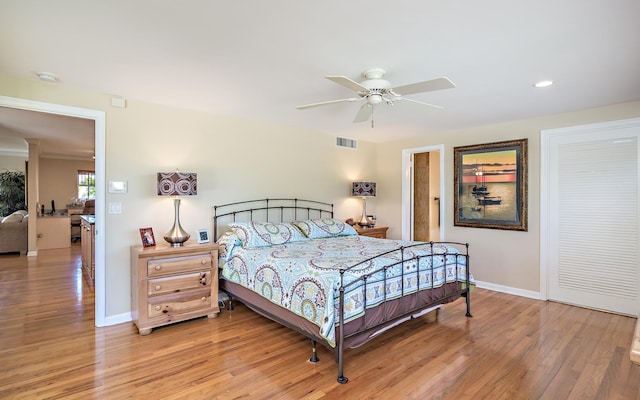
(372, 110)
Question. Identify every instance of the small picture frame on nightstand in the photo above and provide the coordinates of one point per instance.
(146, 234)
(203, 236)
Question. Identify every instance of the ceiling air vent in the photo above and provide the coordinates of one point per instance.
(348, 143)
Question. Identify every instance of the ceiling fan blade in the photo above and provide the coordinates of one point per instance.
(346, 82)
(324, 103)
(426, 86)
(421, 103)
(364, 113)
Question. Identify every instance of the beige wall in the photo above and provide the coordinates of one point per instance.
(12, 163)
(238, 159)
(59, 181)
(235, 159)
(503, 258)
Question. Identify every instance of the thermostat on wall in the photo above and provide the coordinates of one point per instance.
(117, 186)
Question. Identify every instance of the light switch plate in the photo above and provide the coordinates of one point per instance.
(115, 208)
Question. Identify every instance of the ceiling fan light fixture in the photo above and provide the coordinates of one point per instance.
(374, 99)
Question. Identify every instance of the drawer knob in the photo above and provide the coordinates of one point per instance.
(203, 261)
(158, 308)
(158, 287)
(158, 267)
(204, 299)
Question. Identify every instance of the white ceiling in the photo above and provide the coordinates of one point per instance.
(259, 59)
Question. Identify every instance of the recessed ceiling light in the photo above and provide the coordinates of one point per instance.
(47, 77)
(542, 84)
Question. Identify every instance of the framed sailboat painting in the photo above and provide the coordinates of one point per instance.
(490, 185)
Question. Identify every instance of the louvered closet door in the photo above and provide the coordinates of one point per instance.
(594, 218)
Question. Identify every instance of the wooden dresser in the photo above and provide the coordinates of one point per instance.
(172, 284)
(379, 232)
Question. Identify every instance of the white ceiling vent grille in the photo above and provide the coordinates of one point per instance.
(348, 143)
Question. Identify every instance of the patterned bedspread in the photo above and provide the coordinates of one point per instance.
(304, 276)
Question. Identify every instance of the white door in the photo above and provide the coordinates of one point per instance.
(590, 215)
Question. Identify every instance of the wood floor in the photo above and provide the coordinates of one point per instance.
(513, 348)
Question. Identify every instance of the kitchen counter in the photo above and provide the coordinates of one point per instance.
(53, 231)
(90, 219)
(88, 239)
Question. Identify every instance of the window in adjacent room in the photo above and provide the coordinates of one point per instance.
(86, 185)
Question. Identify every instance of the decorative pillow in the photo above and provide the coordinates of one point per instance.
(326, 227)
(264, 234)
(227, 243)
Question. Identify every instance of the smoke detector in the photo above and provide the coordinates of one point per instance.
(47, 77)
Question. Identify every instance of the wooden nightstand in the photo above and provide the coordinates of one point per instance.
(379, 232)
(172, 284)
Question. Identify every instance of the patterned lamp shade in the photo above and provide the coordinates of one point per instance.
(363, 189)
(177, 183)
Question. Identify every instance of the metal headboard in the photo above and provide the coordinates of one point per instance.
(269, 210)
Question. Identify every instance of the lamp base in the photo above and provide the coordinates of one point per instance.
(176, 235)
(176, 241)
(364, 220)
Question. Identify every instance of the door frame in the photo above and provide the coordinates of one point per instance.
(408, 191)
(545, 188)
(100, 130)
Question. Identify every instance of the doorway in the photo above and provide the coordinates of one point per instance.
(99, 119)
(422, 193)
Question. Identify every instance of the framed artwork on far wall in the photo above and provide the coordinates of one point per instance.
(146, 234)
(490, 185)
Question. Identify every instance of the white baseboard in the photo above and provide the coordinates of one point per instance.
(126, 317)
(117, 319)
(509, 290)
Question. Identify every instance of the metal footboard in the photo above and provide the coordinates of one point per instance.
(461, 288)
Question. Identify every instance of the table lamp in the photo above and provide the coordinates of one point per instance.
(177, 184)
(364, 190)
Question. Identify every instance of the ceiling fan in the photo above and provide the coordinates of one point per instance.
(375, 90)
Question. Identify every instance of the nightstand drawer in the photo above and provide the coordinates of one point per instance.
(178, 283)
(379, 232)
(168, 266)
(175, 305)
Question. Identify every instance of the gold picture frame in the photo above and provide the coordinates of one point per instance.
(490, 185)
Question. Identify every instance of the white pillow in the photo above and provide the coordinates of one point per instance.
(12, 218)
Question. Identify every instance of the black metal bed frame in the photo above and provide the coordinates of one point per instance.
(276, 210)
(264, 208)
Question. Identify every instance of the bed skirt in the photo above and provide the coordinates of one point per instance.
(358, 331)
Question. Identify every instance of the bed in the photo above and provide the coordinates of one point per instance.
(291, 261)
